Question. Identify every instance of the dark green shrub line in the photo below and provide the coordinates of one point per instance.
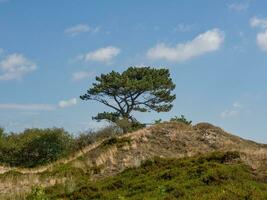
(35, 147)
(216, 176)
(181, 119)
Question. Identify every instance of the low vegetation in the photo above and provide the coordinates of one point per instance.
(114, 167)
(217, 176)
(35, 147)
(181, 119)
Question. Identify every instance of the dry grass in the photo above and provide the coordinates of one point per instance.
(169, 140)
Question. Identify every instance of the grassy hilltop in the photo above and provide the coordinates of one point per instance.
(170, 160)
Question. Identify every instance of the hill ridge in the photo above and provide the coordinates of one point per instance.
(111, 156)
(135, 135)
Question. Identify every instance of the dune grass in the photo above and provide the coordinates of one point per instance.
(216, 176)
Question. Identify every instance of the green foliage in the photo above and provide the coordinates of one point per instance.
(181, 119)
(158, 121)
(52, 145)
(109, 116)
(37, 193)
(216, 176)
(90, 137)
(35, 147)
(128, 126)
(136, 89)
(63, 170)
(2, 133)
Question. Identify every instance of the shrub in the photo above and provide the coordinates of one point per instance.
(181, 119)
(35, 147)
(158, 121)
(162, 178)
(2, 133)
(128, 126)
(50, 146)
(37, 193)
(90, 137)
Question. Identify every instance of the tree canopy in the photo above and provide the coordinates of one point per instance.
(140, 89)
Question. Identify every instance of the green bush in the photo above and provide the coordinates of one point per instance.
(128, 126)
(158, 121)
(35, 147)
(37, 193)
(216, 176)
(90, 137)
(2, 133)
(181, 119)
(50, 146)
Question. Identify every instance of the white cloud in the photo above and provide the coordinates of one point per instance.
(26, 107)
(234, 111)
(67, 103)
(262, 40)
(1, 51)
(229, 113)
(15, 66)
(239, 6)
(105, 54)
(261, 36)
(183, 28)
(258, 22)
(80, 75)
(237, 105)
(206, 42)
(80, 28)
(38, 107)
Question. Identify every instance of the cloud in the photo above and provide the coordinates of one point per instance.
(67, 103)
(229, 113)
(183, 28)
(234, 111)
(239, 6)
(206, 42)
(261, 36)
(31, 107)
(237, 105)
(1, 51)
(80, 28)
(38, 107)
(80, 75)
(262, 40)
(105, 54)
(258, 22)
(15, 66)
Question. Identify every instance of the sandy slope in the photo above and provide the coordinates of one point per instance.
(165, 140)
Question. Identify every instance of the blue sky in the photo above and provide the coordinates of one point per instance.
(50, 52)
